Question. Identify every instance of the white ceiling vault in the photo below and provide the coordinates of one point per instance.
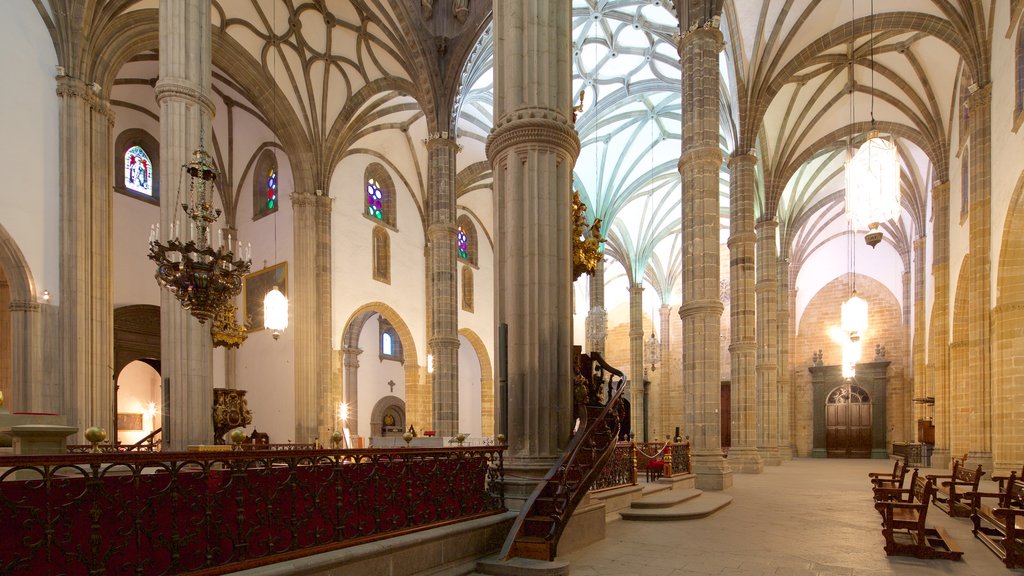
(802, 81)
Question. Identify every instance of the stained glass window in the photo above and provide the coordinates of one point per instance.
(374, 199)
(138, 171)
(265, 180)
(463, 242)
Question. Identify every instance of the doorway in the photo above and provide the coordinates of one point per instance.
(848, 423)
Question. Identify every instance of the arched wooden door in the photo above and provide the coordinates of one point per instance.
(848, 423)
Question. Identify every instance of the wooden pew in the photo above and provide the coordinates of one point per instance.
(1002, 478)
(904, 528)
(1001, 527)
(950, 489)
(892, 479)
(890, 491)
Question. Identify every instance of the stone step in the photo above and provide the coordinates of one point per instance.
(491, 566)
(705, 505)
(654, 489)
(665, 499)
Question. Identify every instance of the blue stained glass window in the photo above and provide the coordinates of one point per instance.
(463, 243)
(272, 189)
(138, 171)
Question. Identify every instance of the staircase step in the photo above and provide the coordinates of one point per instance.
(654, 489)
(705, 505)
(666, 499)
(521, 566)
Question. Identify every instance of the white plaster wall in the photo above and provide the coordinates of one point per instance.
(353, 285)
(1007, 146)
(469, 390)
(30, 148)
(138, 385)
(374, 375)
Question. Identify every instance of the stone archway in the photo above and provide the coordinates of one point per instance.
(487, 424)
(388, 417)
(1008, 338)
(418, 396)
(21, 321)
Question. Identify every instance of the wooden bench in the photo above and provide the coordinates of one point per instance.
(904, 528)
(892, 479)
(1001, 527)
(1002, 478)
(893, 492)
(950, 489)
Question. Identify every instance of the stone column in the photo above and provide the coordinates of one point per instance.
(785, 376)
(5, 338)
(86, 309)
(664, 426)
(597, 313)
(743, 455)
(938, 334)
(766, 290)
(441, 265)
(183, 94)
(309, 300)
(350, 385)
(980, 309)
(531, 149)
(792, 397)
(701, 310)
(920, 411)
(29, 392)
(636, 358)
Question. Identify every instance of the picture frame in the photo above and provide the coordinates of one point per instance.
(255, 288)
(129, 421)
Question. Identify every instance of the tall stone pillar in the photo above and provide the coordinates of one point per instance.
(350, 385)
(597, 314)
(86, 308)
(636, 358)
(766, 290)
(938, 334)
(441, 264)
(787, 448)
(311, 314)
(743, 454)
(664, 427)
(918, 340)
(532, 148)
(980, 309)
(29, 391)
(183, 94)
(701, 310)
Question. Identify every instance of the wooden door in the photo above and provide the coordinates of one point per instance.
(848, 423)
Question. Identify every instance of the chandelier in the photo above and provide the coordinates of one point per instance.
(854, 316)
(873, 186)
(596, 325)
(652, 354)
(203, 279)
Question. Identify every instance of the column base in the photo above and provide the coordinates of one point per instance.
(983, 458)
(521, 478)
(713, 472)
(745, 460)
(941, 459)
(787, 453)
(770, 454)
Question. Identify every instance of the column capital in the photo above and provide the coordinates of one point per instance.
(766, 224)
(708, 32)
(444, 139)
(738, 159)
(182, 89)
(315, 200)
(549, 131)
(695, 307)
(979, 95)
(697, 155)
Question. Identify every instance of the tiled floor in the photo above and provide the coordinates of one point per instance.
(808, 516)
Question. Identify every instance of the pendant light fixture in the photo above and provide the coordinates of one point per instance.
(873, 172)
(275, 303)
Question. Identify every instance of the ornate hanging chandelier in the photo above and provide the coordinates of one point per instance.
(203, 279)
(873, 186)
(854, 317)
(652, 353)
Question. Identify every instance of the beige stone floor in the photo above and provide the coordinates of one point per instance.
(808, 516)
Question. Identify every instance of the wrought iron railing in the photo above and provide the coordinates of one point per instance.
(216, 512)
(677, 459)
(619, 470)
(150, 443)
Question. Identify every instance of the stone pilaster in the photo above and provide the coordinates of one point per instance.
(701, 310)
(636, 358)
(350, 385)
(980, 242)
(86, 308)
(310, 314)
(597, 312)
(787, 449)
(183, 94)
(766, 290)
(743, 454)
(441, 266)
(661, 400)
(938, 334)
(531, 149)
(29, 391)
(919, 348)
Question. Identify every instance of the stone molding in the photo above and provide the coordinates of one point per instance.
(441, 140)
(697, 155)
(68, 87)
(24, 306)
(533, 133)
(695, 307)
(182, 89)
(708, 32)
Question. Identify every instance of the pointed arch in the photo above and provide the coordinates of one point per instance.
(487, 424)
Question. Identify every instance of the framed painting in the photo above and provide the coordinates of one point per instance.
(255, 288)
(126, 421)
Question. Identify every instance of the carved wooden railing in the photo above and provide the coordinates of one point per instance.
(219, 512)
(542, 520)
